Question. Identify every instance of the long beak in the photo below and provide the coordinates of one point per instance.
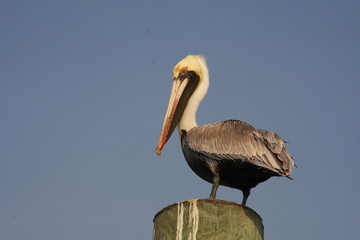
(180, 94)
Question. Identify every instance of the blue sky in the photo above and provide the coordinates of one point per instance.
(83, 91)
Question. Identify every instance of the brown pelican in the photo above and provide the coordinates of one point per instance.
(230, 153)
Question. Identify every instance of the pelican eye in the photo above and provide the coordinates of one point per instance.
(183, 71)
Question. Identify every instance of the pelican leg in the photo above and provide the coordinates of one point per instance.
(216, 183)
(245, 197)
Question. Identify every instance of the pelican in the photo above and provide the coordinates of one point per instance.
(230, 153)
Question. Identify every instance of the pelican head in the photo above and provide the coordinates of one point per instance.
(190, 84)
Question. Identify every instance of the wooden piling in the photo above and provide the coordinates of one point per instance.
(198, 219)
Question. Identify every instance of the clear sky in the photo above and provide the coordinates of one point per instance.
(83, 91)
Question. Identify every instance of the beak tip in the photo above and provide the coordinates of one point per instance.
(158, 151)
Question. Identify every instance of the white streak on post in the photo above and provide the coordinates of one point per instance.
(193, 218)
(180, 221)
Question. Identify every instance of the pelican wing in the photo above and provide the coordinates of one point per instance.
(278, 146)
(237, 140)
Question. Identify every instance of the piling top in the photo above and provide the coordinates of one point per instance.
(206, 200)
(207, 219)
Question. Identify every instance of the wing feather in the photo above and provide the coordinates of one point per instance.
(237, 140)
